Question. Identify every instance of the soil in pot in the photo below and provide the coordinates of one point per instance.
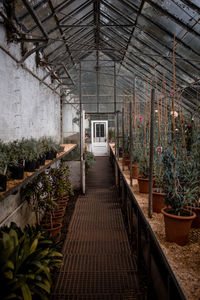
(143, 185)
(17, 172)
(30, 166)
(158, 200)
(3, 182)
(177, 228)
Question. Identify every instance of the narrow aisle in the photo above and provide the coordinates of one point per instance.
(98, 263)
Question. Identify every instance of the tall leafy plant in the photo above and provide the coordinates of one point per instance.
(26, 260)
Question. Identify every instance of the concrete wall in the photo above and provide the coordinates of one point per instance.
(69, 127)
(75, 174)
(27, 107)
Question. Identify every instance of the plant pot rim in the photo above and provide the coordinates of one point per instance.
(190, 217)
(56, 225)
(158, 193)
(192, 207)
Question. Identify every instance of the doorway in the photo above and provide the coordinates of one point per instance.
(100, 138)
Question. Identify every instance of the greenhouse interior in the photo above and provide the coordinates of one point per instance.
(100, 149)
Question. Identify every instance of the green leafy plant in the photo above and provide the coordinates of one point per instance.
(89, 160)
(144, 166)
(26, 260)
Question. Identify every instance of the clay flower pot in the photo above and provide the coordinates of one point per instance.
(158, 200)
(143, 185)
(177, 228)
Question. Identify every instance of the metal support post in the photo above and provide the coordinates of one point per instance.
(81, 136)
(151, 153)
(123, 141)
(117, 145)
(115, 109)
(131, 141)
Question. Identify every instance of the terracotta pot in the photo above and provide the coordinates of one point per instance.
(135, 171)
(196, 221)
(53, 231)
(158, 201)
(59, 210)
(143, 185)
(66, 198)
(58, 218)
(177, 228)
(61, 205)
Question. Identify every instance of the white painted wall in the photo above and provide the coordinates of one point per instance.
(27, 107)
(69, 127)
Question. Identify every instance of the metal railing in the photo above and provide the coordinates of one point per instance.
(161, 281)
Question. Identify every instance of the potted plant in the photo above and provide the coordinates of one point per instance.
(190, 178)
(158, 195)
(50, 224)
(176, 199)
(26, 260)
(30, 157)
(89, 160)
(126, 154)
(16, 159)
(144, 170)
(3, 171)
(135, 161)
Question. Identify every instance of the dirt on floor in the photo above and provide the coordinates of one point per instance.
(184, 260)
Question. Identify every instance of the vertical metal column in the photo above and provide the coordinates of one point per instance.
(61, 119)
(131, 141)
(81, 135)
(151, 152)
(123, 142)
(115, 108)
(97, 78)
(117, 146)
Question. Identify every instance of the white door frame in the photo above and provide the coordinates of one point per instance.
(99, 148)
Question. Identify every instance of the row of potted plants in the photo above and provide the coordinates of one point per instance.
(24, 155)
(48, 195)
(176, 167)
(26, 260)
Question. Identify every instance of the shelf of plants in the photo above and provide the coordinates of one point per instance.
(21, 161)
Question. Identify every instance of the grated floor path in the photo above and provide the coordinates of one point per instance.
(98, 263)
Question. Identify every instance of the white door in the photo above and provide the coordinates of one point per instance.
(100, 138)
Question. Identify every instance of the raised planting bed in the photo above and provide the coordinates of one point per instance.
(184, 260)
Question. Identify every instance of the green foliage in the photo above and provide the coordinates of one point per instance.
(16, 152)
(180, 182)
(46, 188)
(89, 160)
(144, 166)
(26, 260)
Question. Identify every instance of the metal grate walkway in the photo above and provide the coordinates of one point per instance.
(98, 263)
